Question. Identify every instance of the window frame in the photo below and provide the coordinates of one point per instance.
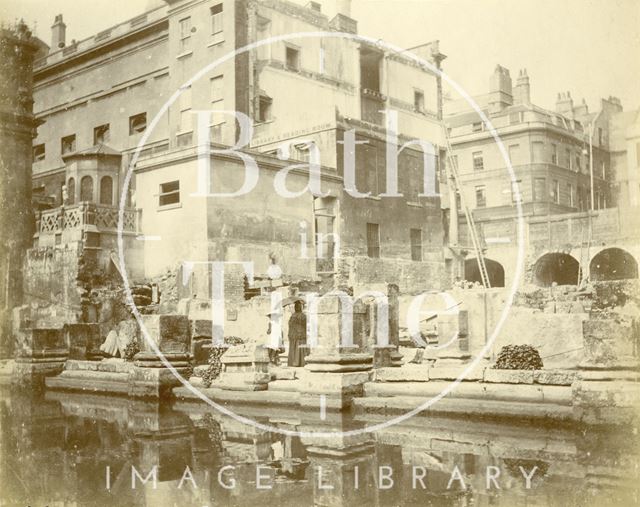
(164, 193)
(132, 119)
(290, 48)
(71, 138)
(185, 38)
(373, 248)
(483, 189)
(38, 158)
(215, 20)
(97, 130)
(415, 241)
(478, 166)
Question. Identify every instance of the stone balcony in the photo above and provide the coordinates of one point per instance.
(67, 224)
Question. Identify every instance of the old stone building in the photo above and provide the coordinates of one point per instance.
(96, 99)
(18, 48)
(569, 164)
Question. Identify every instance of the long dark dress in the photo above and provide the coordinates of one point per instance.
(297, 339)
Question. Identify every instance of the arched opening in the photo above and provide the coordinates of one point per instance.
(494, 270)
(613, 264)
(71, 191)
(86, 189)
(106, 190)
(559, 268)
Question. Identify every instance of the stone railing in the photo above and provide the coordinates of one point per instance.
(104, 217)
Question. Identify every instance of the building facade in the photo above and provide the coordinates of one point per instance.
(564, 167)
(304, 98)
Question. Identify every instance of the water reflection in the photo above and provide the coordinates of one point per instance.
(77, 449)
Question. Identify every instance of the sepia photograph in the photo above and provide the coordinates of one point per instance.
(330, 253)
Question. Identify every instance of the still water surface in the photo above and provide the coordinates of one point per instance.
(74, 449)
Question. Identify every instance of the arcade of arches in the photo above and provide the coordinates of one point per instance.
(562, 269)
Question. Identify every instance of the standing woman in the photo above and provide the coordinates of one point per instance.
(297, 337)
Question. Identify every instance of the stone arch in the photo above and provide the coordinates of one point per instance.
(557, 267)
(86, 189)
(71, 191)
(494, 270)
(106, 190)
(613, 264)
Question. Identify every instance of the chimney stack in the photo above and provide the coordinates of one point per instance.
(522, 92)
(344, 7)
(500, 90)
(564, 104)
(58, 33)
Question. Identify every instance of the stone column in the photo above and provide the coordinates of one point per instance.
(335, 374)
(39, 353)
(453, 326)
(149, 377)
(389, 355)
(341, 468)
(606, 391)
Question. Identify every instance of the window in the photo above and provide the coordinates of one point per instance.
(418, 101)
(86, 189)
(106, 190)
(38, 152)
(516, 191)
(185, 117)
(600, 136)
(301, 152)
(477, 127)
(169, 193)
(571, 197)
(264, 108)
(554, 154)
(416, 244)
(603, 168)
(185, 34)
(137, 123)
(481, 196)
(478, 161)
(578, 163)
(217, 90)
(71, 191)
(568, 158)
(556, 191)
(217, 103)
(101, 134)
(292, 58)
(514, 150)
(373, 240)
(539, 189)
(537, 151)
(68, 144)
(216, 19)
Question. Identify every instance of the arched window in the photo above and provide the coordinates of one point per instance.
(106, 190)
(86, 188)
(71, 191)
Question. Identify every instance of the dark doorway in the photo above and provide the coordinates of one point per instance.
(613, 264)
(494, 270)
(556, 267)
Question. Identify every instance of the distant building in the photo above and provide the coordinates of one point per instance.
(97, 97)
(550, 154)
(624, 145)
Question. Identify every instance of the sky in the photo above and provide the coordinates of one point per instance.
(588, 47)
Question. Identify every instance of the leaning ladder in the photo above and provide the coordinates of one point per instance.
(452, 164)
